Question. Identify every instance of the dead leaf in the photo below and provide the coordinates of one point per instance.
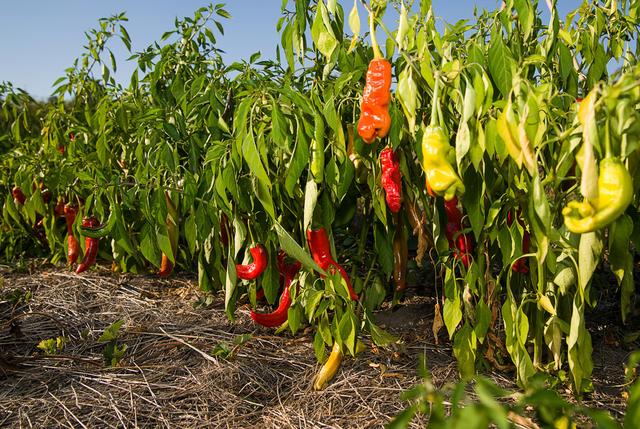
(438, 323)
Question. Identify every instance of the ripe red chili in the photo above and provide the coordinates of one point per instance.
(18, 195)
(91, 246)
(58, 210)
(279, 316)
(374, 117)
(255, 268)
(462, 243)
(321, 252)
(73, 246)
(391, 179)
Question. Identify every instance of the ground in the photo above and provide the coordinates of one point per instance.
(170, 375)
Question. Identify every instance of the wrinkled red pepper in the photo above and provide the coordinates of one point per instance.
(520, 266)
(374, 117)
(254, 269)
(462, 243)
(391, 179)
(91, 246)
(279, 316)
(321, 252)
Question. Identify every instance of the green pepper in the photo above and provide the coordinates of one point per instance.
(437, 160)
(615, 193)
(317, 149)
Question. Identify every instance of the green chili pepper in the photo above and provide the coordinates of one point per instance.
(317, 149)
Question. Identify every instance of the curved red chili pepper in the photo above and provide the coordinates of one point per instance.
(91, 246)
(321, 252)
(391, 179)
(279, 316)
(254, 269)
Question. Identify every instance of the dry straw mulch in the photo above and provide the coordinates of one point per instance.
(169, 377)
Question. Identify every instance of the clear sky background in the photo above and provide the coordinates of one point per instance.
(40, 38)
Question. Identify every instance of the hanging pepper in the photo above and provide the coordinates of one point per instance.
(73, 246)
(166, 266)
(58, 210)
(615, 193)
(321, 252)
(91, 246)
(317, 149)
(520, 266)
(279, 316)
(391, 179)
(374, 109)
(462, 243)
(18, 195)
(254, 269)
(400, 256)
(437, 160)
(329, 369)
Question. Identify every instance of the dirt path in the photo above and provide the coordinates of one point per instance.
(169, 377)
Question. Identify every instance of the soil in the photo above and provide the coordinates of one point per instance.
(188, 366)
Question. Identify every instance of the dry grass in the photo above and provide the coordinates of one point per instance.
(168, 377)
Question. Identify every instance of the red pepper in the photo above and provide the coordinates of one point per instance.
(374, 117)
(38, 230)
(253, 270)
(462, 243)
(73, 246)
(283, 267)
(91, 246)
(321, 251)
(391, 179)
(18, 195)
(279, 316)
(58, 210)
(520, 266)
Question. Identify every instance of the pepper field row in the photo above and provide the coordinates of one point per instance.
(484, 127)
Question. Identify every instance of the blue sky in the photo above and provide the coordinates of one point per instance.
(40, 38)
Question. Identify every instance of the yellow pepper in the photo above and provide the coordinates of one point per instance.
(329, 369)
(615, 193)
(437, 157)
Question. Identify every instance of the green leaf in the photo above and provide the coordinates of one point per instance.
(354, 26)
(500, 65)
(452, 312)
(293, 249)
(112, 331)
(294, 316)
(252, 157)
(589, 252)
(621, 260)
